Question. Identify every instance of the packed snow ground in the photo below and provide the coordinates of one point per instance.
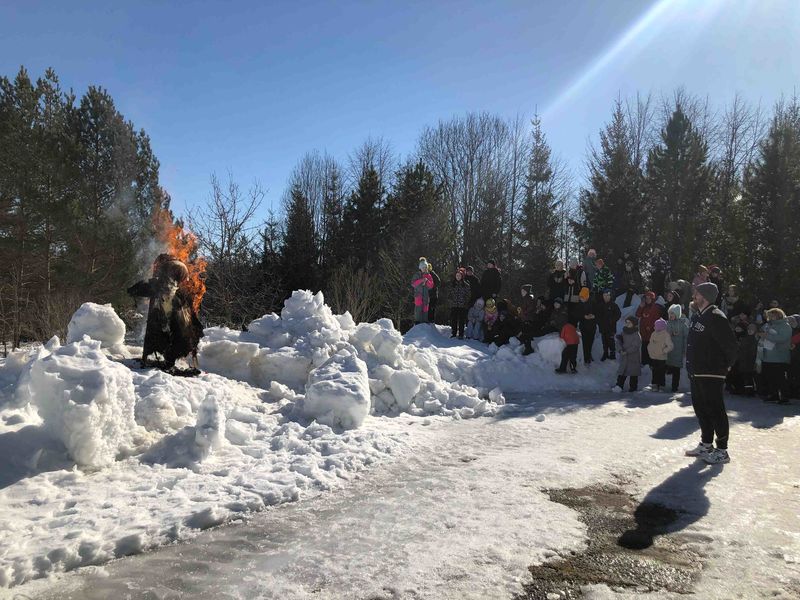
(104, 460)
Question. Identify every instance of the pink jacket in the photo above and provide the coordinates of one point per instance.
(423, 281)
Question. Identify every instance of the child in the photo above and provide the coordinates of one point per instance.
(746, 362)
(475, 321)
(489, 318)
(658, 348)
(678, 328)
(630, 355)
(570, 353)
(422, 283)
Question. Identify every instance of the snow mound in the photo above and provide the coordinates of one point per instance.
(291, 350)
(338, 392)
(99, 321)
(84, 399)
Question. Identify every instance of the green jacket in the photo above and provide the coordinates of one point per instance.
(603, 279)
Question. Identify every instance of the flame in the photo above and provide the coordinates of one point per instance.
(182, 244)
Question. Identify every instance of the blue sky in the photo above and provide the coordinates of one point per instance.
(249, 87)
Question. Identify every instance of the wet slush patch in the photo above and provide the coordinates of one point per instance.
(628, 549)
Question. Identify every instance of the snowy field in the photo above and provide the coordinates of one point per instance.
(388, 466)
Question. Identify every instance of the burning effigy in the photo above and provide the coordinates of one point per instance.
(173, 328)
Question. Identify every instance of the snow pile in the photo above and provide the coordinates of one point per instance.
(99, 321)
(278, 348)
(295, 351)
(477, 366)
(85, 400)
(338, 393)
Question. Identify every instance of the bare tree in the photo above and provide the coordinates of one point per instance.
(376, 153)
(640, 120)
(469, 157)
(229, 240)
(355, 290)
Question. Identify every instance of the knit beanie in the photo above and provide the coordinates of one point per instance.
(676, 310)
(660, 325)
(708, 290)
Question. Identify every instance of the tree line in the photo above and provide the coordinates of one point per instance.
(79, 187)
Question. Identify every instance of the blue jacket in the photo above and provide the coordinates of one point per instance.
(779, 333)
(679, 330)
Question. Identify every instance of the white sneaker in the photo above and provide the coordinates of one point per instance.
(616, 389)
(649, 388)
(700, 450)
(716, 457)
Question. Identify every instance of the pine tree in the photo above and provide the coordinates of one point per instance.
(102, 247)
(537, 244)
(678, 186)
(611, 207)
(299, 252)
(772, 204)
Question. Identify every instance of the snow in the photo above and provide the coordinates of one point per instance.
(98, 321)
(337, 393)
(85, 400)
(424, 459)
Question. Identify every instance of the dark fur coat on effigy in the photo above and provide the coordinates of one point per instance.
(173, 329)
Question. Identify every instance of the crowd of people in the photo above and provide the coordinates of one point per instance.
(584, 298)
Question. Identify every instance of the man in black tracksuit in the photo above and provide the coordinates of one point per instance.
(710, 353)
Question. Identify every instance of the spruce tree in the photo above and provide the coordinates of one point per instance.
(678, 186)
(537, 244)
(362, 225)
(772, 204)
(416, 219)
(299, 252)
(417, 224)
(330, 236)
(611, 207)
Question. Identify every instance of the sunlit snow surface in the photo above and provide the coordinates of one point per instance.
(407, 499)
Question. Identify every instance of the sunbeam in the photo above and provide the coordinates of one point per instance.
(645, 27)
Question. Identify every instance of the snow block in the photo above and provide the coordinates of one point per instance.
(85, 400)
(549, 348)
(337, 393)
(99, 321)
(404, 386)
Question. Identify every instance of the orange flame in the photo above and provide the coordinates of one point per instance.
(182, 244)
